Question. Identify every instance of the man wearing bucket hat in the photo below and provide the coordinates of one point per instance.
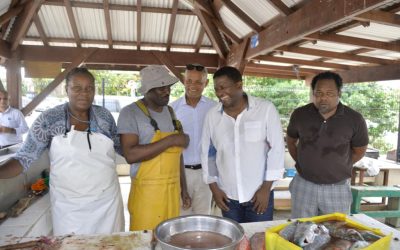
(152, 142)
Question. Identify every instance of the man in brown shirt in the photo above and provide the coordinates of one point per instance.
(325, 138)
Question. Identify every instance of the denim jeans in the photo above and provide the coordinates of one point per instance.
(244, 212)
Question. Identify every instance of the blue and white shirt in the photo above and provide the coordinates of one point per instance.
(54, 122)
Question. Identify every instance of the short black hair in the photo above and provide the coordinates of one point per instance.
(78, 71)
(328, 75)
(230, 72)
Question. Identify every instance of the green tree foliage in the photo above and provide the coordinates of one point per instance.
(380, 107)
(116, 83)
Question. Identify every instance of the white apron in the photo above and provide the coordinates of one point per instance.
(84, 188)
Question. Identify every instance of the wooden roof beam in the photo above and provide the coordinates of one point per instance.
(40, 29)
(172, 24)
(23, 22)
(5, 49)
(292, 69)
(113, 56)
(281, 7)
(242, 15)
(273, 74)
(138, 24)
(336, 55)
(212, 31)
(302, 62)
(72, 22)
(236, 56)
(370, 74)
(120, 7)
(126, 43)
(360, 42)
(164, 60)
(106, 5)
(382, 17)
(285, 32)
(10, 14)
(199, 40)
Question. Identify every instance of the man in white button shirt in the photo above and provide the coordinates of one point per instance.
(242, 150)
(12, 122)
(191, 110)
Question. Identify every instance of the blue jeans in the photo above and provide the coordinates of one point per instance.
(244, 212)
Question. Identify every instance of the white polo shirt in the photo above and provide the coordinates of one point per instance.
(240, 154)
(12, 118)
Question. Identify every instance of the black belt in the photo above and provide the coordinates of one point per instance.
(194, 167)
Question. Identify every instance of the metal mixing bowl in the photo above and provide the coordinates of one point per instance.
(198, 223)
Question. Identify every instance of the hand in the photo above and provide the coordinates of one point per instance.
(219, 197)
(186, 200)
(260, 199)
(179, 140)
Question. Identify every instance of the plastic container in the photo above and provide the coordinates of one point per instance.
(273, 241)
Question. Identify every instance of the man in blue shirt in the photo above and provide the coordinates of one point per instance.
(191, 110)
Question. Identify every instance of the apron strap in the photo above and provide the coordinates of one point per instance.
(177, 124)
(143, 108)
(175, 121)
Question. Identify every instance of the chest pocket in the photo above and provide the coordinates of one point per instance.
(253, 131)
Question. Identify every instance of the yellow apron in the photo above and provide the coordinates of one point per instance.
(155, 190)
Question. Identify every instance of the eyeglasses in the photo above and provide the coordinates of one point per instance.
(79, 89)
(197, 67)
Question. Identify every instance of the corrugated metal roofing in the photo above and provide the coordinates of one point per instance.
(234, 23)
(297, 56)
(125, 47)
(383, 54)
(155, 27)
(206, 41)
(91, 25)
(123, 2)
(274, 63)
(291, 3)
(329, 46)
(346, 62)
(32, 43)
(374, 31)
(32, 31)
(93, 29)
(62, 44)
(157, 3)
(88, 1)
(55, 21)
(259, 10)
(123, 25)
(314, 67)
(94, 45)
(187, 29)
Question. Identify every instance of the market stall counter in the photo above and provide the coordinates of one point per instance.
(142, 239)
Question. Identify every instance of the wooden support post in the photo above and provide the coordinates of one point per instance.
(13, 67)
(236, 56)
(58, 79)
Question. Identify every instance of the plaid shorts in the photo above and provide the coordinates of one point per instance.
(309, 199)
